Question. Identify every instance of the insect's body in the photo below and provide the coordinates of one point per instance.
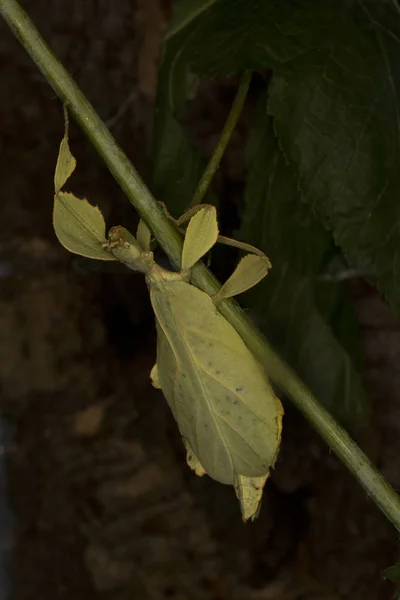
(223, 404)
(227, 413)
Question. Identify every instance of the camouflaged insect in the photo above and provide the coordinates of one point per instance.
(227, 413)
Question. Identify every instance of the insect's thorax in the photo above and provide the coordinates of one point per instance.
(178, 306)
(158, 277)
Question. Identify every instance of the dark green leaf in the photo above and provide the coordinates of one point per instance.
(186, 12)
(310, 320)
(335, 102)
(392, 573)
(339, 124)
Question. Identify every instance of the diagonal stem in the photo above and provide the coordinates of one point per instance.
(380, 491)
(223, 141)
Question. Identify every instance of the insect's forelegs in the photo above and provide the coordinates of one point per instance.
(186, 215)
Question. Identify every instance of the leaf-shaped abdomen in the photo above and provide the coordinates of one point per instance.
(221, 400)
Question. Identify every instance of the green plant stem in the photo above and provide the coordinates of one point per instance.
(224, 139)
(169, 238)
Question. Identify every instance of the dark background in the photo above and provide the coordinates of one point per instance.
(105, 506)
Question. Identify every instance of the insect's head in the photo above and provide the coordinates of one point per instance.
(124, 246)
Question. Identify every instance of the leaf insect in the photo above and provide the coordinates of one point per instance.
(227, 413)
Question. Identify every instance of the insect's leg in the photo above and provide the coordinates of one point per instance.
(166, 212)
(186, 215)
(191, 212)
(143, 236)
(242, 245)
(251, 269)
(66, 162)
(183, 219)
(201, 235)
(154, 377)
